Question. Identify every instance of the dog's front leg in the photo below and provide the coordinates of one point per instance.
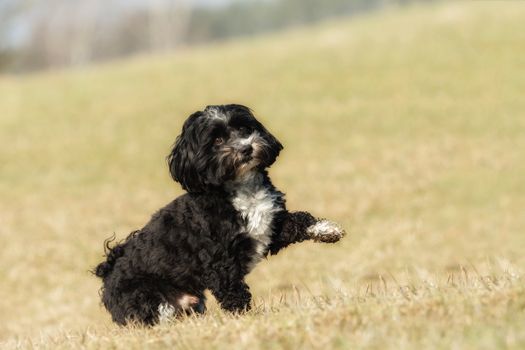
(234, 297)
(300, 226)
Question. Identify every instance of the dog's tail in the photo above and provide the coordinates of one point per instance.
(112, 254)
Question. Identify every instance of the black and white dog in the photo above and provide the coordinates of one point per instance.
(211, 237)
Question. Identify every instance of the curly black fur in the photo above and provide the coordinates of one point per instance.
(212, 236)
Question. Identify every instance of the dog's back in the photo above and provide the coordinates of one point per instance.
(145, 276)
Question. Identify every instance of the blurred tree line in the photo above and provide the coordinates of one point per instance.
(39, 34)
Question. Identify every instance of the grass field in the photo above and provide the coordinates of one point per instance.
(407, 126)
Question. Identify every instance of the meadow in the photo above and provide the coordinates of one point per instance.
(407, 126)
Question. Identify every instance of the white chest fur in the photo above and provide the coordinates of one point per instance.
(257, 206)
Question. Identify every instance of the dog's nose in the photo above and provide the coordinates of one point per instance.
(247, 150)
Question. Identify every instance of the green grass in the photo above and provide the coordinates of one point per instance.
(406, 126)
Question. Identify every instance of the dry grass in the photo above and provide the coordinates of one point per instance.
(407, 126)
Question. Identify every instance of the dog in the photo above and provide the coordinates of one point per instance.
(211, 237)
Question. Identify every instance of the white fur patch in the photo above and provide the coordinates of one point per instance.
(257, 207)
(249, 140)
(213, 112)
(166, 312)
(325, 231)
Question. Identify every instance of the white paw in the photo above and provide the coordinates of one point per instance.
(325, 231)
(166, 312)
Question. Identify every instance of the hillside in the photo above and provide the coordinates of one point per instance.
(407, 126)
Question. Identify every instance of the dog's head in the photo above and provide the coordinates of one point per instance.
(220, 144)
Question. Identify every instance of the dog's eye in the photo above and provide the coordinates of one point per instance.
(218, 141)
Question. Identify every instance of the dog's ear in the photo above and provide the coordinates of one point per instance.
(182, 158)
(274, 146)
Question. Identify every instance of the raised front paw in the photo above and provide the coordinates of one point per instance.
(325, 231)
